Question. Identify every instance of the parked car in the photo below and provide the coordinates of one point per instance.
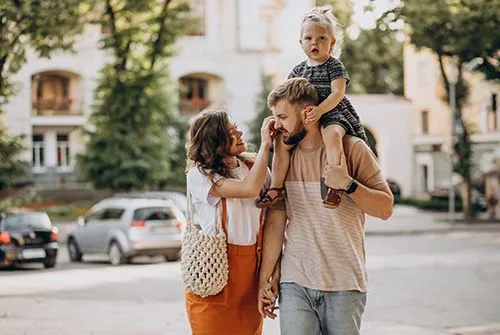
(179, 198)
(478, 201)
(124, 227)
(27, 237)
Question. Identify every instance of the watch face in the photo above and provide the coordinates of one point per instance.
(352, 187)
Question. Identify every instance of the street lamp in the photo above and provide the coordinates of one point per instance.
(452, 81)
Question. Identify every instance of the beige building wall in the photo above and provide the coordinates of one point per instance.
(432, 119)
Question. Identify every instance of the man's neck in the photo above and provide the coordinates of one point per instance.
(312, 139)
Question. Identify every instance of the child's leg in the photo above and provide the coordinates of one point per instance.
(332, 137)
(281, 161)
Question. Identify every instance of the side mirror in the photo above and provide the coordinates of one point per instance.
(81, 221)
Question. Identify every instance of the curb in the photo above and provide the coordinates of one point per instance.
(473, 228)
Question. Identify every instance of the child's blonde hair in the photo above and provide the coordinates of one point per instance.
(324, 17)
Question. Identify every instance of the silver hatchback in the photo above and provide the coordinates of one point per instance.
(126, 227)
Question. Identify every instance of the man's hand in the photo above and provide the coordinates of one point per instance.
(337, 176)
(268, 292)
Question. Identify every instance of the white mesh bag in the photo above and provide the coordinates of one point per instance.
(204, 265)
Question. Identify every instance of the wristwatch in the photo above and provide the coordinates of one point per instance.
(352, 187)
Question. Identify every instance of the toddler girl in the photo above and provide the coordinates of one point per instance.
(321, 39)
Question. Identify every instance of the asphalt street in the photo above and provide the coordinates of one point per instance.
(427, 284)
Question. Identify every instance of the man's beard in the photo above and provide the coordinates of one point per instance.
(298, 134)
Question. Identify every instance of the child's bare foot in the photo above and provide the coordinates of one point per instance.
(271, 197)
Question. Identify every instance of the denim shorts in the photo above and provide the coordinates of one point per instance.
(305, 311)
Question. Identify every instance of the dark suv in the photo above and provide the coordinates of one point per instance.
(27, 237)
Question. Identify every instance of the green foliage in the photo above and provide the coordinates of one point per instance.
(11, 166)
(261, 110)
(374, 59)
(45, 26)
(136, 136)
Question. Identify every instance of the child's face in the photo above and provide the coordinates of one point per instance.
(316, 41)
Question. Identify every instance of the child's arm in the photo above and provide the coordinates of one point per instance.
(338, 92)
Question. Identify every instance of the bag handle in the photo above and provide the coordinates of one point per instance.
(222, 226)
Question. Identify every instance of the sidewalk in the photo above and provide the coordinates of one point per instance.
(407, 220)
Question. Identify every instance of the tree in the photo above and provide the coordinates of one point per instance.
(261, 110)
(135, 133)
(456, 32)
(44, 26)
(374, 59)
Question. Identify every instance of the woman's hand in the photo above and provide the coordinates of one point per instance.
(267, 131)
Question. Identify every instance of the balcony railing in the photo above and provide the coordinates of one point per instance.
(54, 106)
(192, 106)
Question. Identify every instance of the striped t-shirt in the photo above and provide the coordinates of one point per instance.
(325, 248)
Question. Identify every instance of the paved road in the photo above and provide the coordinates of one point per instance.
(420, 285)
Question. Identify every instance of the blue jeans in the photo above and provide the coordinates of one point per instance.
(307, 311)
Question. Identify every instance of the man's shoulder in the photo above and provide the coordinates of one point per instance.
(354, 143)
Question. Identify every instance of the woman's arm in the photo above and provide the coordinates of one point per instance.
(251, 185)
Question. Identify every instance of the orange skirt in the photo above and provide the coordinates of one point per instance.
(234, 310)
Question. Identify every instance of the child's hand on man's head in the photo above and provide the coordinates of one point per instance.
(313, 114)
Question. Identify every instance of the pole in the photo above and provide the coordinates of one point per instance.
(451, 204)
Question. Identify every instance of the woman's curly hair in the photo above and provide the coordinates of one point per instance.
(209, 142)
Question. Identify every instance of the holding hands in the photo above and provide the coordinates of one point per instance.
(268, 293)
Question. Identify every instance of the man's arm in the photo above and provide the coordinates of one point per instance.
(274, 233)
(376, 201)
(373, 195)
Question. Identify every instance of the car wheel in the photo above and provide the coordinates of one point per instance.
(173, 256)
(49, 263)
(75, 255)
(115, 254)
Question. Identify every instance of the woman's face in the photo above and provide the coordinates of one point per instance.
(238, 144)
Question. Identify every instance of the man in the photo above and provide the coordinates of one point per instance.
(323, 272)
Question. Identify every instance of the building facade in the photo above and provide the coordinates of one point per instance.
(219, 62)
(432, 121)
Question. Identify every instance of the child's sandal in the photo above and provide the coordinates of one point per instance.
(331, 197)
(265, 200)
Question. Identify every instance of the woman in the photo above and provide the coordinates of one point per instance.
(219, 167)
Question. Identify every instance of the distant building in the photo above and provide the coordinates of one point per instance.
(432, 120)
(219, 62)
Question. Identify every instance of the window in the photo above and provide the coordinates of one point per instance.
(154, 214)
(63, 154)
(492, 118)
(37, 159)
(52, 93)
(425, 122)
(22, 221)
(196, 18)
(112, 214)
(97, 215)
(194, 94)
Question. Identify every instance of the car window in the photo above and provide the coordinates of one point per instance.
(97, 215)
(154, 213)
(19, 221)
(112, 214)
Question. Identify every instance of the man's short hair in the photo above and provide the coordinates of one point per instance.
(295, 90)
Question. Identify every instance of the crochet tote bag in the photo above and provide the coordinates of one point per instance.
(204, 265)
